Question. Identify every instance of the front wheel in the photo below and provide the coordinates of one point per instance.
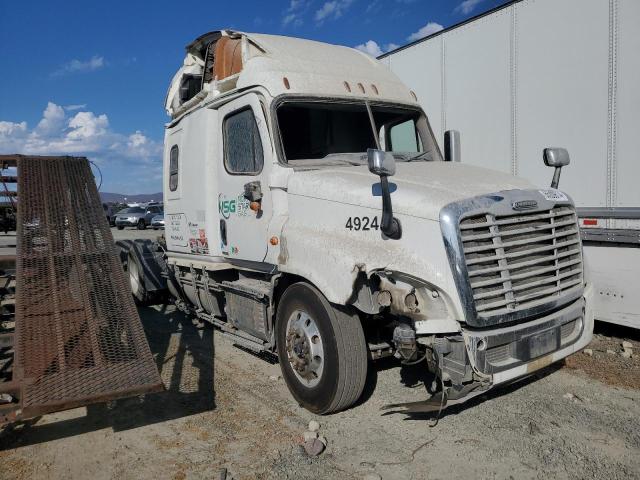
(120, 227)
(141, 224)
(321, 349)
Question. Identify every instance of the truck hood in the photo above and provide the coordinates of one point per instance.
(418, 189)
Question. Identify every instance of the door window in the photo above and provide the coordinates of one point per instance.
(404, 137)
(173, 168)
(242, 144)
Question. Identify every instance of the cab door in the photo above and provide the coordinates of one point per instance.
(244, 200)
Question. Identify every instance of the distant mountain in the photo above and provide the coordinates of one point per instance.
(139, 198)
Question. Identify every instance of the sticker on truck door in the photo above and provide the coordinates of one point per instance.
(233, 206)
(554, 195)
(198, 242)
(175, 229)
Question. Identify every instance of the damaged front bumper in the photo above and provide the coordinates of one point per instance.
(477, 360)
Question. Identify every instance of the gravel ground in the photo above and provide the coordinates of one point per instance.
(133, 233)
(228, 408)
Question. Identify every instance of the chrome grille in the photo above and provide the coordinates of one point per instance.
(522, 260)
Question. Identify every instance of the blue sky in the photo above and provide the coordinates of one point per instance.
(89, 78)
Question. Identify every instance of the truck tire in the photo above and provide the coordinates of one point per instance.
(136, 279)
(321, 349)
(144, 270)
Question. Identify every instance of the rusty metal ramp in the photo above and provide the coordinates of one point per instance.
(78, 336)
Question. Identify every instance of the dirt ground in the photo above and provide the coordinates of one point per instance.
(228, 408)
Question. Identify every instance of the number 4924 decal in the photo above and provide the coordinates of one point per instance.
(362, 223)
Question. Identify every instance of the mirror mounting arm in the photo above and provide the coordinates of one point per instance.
(383, 164)
(556, 158)
(556, 177)
(389, 225)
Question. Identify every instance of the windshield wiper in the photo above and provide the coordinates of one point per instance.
(339, 157)
(416, 157)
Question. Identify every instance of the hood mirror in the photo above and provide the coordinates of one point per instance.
(557, 158)
(381, 163)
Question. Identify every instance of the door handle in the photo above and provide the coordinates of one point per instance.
(223, 232)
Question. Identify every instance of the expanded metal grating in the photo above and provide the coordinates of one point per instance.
(78, 335)
(518, 261)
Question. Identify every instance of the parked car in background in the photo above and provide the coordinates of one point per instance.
(136, 217)
(158, 221)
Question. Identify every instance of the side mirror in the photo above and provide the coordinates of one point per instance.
(556, 158)
(381, 163)
(452, 146)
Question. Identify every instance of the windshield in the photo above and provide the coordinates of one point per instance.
(132, 210)
(331, 132)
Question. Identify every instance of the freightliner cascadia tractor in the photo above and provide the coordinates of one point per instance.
(310, 212)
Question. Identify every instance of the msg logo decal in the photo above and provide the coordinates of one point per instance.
(238, 205)
(226, 207)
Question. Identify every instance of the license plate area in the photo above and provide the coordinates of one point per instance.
(543, 343)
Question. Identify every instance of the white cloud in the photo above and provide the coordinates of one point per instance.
(78, 106)
(78, 66)
(10, 129)
(88, 134)
(52, 120)
(332, 10)
(293, 14)
(292, 19)
(373, 7)
(12, 136)
(468, 6)
(140, 145)
(372, 48)
(429, 29)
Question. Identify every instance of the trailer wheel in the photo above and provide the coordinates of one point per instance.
(136, 280)
(322, 350)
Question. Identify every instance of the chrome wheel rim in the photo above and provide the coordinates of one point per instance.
(134, 278)
(305, 350)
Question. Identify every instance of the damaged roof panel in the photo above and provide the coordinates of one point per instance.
(224, 60)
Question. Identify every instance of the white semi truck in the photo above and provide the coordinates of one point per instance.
(309, 212)
(538, 72)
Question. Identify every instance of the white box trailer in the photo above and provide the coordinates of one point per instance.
(539, 73)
